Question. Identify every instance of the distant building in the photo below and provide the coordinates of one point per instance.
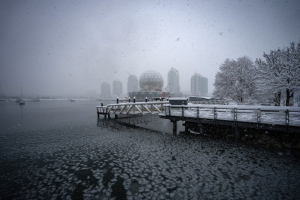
(132, 84)
(117, 87)
(151, 81)
(199, 85)
(150, 85)
(173, 81)
(105, 90)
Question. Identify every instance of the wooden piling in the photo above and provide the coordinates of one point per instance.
(174, 126)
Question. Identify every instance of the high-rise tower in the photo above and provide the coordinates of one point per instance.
(117, 87)
(173, 81)
(132, 84)
(199, 85)
(105, 90)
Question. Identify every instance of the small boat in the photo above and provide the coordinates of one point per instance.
(18, 100)
(22, 102)
(72, 100)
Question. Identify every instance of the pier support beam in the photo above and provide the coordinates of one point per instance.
(174, 126)
(236, 133)
(186, 129)
(201, 128)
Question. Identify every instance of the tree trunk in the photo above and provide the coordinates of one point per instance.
(277, 98)
(287, 102)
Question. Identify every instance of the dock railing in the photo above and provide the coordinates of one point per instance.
(154, 107)
(254, 114)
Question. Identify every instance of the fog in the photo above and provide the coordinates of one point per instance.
(71, 47)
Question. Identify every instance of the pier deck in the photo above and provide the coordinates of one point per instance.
(285, 119)
(129, 108)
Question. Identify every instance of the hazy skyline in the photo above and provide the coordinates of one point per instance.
(70, 47)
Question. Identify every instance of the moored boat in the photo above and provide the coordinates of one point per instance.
(21, 102)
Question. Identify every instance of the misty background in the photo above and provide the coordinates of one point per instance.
(71, 47)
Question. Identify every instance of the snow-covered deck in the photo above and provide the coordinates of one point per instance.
(141, 108)
(254, 114)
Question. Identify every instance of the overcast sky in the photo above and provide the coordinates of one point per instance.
(70, 47)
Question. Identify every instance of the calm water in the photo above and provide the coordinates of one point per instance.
(55, 149)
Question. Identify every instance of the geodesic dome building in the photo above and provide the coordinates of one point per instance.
(151, 81)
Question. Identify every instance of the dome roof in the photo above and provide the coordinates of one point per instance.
(151, 81)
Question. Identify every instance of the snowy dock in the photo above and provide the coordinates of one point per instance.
(285, 119)
(129, 108)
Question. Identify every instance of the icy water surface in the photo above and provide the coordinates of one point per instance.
(68, 154)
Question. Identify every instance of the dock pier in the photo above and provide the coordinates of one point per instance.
(196, 117)
(132, 108)
(102, 110)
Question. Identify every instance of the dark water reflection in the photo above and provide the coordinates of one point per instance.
(67, 154)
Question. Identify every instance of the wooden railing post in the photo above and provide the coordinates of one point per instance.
(287, 120)
(235, 115)
(215, 115)
(237, 135)
(258, 118)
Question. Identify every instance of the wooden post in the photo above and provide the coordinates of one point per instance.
(287, 121)
(186, 128)
(215, 115)
(174, 126)
(236, 131)
(258, 118)
(201, 128)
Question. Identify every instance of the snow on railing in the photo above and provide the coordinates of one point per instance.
(134, 107)
(257, 114)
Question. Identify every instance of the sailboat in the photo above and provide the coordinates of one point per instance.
(21, 101)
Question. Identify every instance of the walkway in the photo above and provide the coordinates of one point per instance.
(139, 108)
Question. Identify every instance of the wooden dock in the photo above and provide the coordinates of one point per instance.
(129, 108)
(286, 119)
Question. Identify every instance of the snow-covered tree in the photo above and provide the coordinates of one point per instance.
(280, 72)
(236, 80)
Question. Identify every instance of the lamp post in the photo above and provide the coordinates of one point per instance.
(117, 100)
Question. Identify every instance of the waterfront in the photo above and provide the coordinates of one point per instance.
(57, 149)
